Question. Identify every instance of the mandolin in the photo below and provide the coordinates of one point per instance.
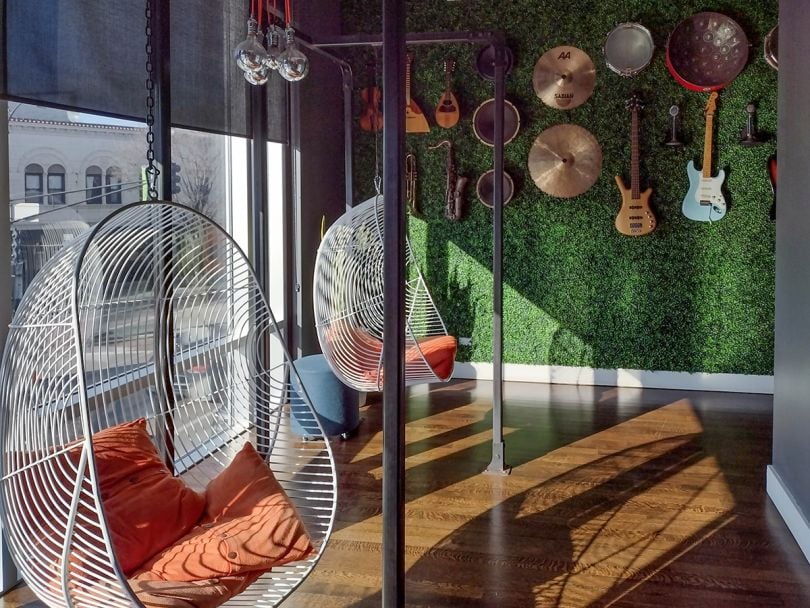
(447, 113)
(772, 175)
(371, 116)
(705, 201)
(635, 216)
(415, 121)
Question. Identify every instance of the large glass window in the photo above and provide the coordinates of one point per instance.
(33, 183)
(113, 180)
(56, 185)
(92, 184)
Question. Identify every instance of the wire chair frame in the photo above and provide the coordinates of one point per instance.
(348, 302)
(154, 313)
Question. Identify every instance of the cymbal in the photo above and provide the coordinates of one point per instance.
(564, 77)
(565, 160)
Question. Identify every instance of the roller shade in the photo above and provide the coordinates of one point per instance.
(89, 55)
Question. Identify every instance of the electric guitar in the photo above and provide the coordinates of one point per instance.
(635, 216)
(447, 113)
(415, 121)
(705, 201)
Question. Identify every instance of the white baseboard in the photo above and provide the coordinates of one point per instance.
(783, 500)
(557, 374)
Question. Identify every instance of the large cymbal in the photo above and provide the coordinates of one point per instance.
(565, 160)
(564, 77)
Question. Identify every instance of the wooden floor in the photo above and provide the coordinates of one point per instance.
(618, 497)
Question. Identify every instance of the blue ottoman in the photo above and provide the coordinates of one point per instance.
(335, 404)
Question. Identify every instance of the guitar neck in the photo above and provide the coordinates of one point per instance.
(447, 73)
(707, 146)
(634, 164)
(408, 82)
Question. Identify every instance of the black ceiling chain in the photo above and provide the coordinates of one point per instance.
(152, 171)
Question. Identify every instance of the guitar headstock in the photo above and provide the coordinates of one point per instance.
(409, 58)
(711, 105)
(449, 65)
(634, 104)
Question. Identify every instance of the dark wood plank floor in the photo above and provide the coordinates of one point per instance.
(619, 497)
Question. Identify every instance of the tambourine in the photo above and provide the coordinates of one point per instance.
(485, 188)
(484, 122)
(772, 48)
(628, 48)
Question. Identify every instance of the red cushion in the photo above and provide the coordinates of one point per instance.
(147, 508)
(250, 525)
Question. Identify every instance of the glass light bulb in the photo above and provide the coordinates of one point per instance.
(273, 49)
(293, 65)
(258, 77)
(250, 53)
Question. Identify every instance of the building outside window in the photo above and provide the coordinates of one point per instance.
(113, 179)
(92, 184)
(56, 185)
(33, 183)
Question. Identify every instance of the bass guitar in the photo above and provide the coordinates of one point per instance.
(415, 121)
(705, 201)
(635, 216)
(447, 113)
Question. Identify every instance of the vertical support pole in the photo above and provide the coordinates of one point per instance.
(259, 209)
(393, 587)
(164, 316)
(498, 464)
(348, 85)
(8, 571)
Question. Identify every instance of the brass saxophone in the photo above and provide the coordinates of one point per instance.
(455, 185)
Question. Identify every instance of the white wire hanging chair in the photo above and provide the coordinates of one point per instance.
(154, 313)
(349, 311)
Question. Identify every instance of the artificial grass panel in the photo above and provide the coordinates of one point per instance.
(691, 296)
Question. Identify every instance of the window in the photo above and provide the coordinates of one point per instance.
(56, 185)
(92, 184)
(33, 184)
(113, 186)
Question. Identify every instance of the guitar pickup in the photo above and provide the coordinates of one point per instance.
(634, 226)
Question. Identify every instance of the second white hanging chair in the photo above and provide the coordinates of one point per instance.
(349, 312)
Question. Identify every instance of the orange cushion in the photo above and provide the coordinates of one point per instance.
(156, 593)
(249, 525)
(439, 352)
(147, 508)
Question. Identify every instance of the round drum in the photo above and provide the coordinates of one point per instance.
(628, 49)
(484, 122)
(485, 62)
(772, 48)
(485, 188)
(707, 51)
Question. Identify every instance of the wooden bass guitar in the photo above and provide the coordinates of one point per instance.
(635, 216)
(705, 201)
(415, 121)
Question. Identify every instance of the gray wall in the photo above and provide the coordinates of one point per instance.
(317, 142)
(791, 423)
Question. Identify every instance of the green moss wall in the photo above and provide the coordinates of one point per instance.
(691, 296)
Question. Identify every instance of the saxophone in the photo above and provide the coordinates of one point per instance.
(455, 185)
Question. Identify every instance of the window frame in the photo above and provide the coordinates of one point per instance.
(56, 196)
(94, 193)
(34, 195)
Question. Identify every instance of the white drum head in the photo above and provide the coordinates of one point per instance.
(629, 49)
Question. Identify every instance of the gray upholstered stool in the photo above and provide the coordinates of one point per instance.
(335, 404)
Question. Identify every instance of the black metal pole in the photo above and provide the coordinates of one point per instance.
(348, 85)
(393, 586)
(160, 20)
(498, 463)
(258, 228)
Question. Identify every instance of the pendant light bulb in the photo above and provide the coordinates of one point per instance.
(250, 53)
(293, 64)
(273, 48)
(258, 77)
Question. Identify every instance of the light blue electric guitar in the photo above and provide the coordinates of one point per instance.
(705, 201)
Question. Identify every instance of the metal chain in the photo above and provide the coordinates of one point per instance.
(152, 171)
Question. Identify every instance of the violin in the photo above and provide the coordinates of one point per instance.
(371, 116)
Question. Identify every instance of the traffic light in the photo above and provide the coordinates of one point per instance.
(175, 178)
